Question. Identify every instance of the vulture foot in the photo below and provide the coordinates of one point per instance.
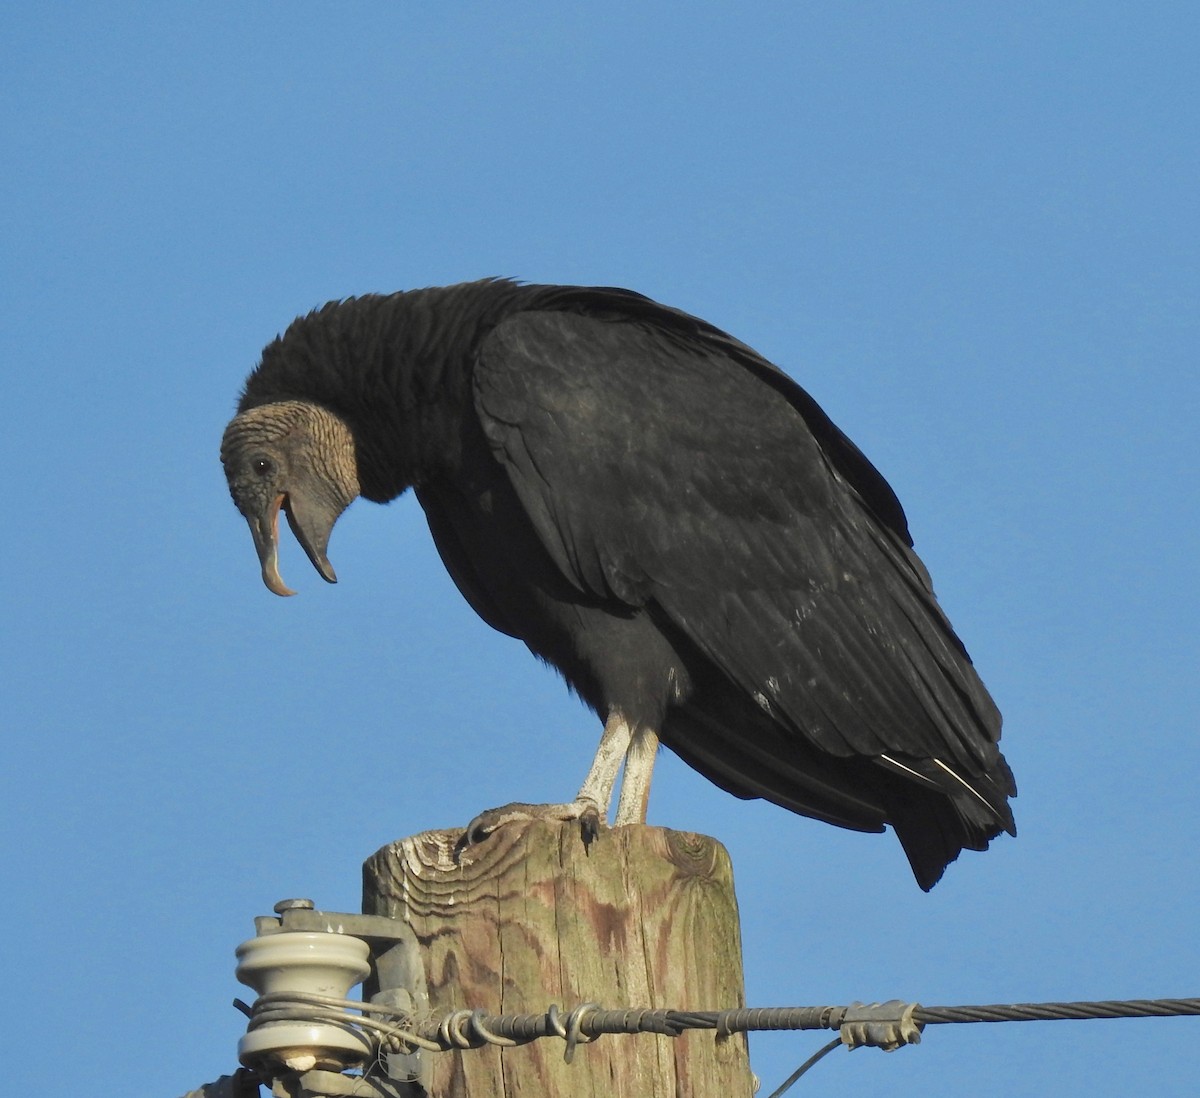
(587, 812)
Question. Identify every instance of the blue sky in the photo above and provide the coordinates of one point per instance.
(970, 230)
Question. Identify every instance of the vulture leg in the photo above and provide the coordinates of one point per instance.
(590, 805)
(635, 785)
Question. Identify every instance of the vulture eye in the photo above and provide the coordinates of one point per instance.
(262, 467)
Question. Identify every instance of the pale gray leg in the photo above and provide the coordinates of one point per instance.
(598, 786)
(635, 783)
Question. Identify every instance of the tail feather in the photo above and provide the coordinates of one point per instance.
(934, 828)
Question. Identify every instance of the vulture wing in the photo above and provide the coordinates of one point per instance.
(671, 468)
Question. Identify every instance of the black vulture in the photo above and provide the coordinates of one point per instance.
(665, 517)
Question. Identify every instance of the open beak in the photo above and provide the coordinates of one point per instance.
(311, 521)
(312, 524)
(265, 531)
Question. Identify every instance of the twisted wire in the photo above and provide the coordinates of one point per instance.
(1054, 1012)
(476, 1028)
(396, 1031)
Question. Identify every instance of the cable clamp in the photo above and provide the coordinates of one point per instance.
(888, 1025)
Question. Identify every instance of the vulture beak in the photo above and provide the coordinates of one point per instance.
(312, 524)
(264, 528)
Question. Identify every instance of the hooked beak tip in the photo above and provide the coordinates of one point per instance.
(272, 578)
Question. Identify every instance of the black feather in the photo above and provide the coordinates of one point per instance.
(671, 521)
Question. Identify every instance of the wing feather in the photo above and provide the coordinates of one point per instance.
(660, 471)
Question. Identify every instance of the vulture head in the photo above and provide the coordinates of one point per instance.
(295, 457)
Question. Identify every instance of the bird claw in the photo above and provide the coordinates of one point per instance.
(586, 812)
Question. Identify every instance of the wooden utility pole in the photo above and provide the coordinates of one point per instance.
(642, 917)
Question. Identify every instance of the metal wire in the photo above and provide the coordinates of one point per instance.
(820, 1054)
(473, 1029)
(463, 1029)
(1055, 1012)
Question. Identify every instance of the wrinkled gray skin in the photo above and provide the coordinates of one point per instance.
(297, 457)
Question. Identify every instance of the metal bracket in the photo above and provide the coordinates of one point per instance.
(329, 1084)
(397, 980)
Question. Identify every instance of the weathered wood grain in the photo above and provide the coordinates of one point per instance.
(643, 917)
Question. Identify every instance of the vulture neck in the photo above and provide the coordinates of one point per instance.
(396, 368)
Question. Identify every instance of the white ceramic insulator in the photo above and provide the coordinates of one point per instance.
(316, 963)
